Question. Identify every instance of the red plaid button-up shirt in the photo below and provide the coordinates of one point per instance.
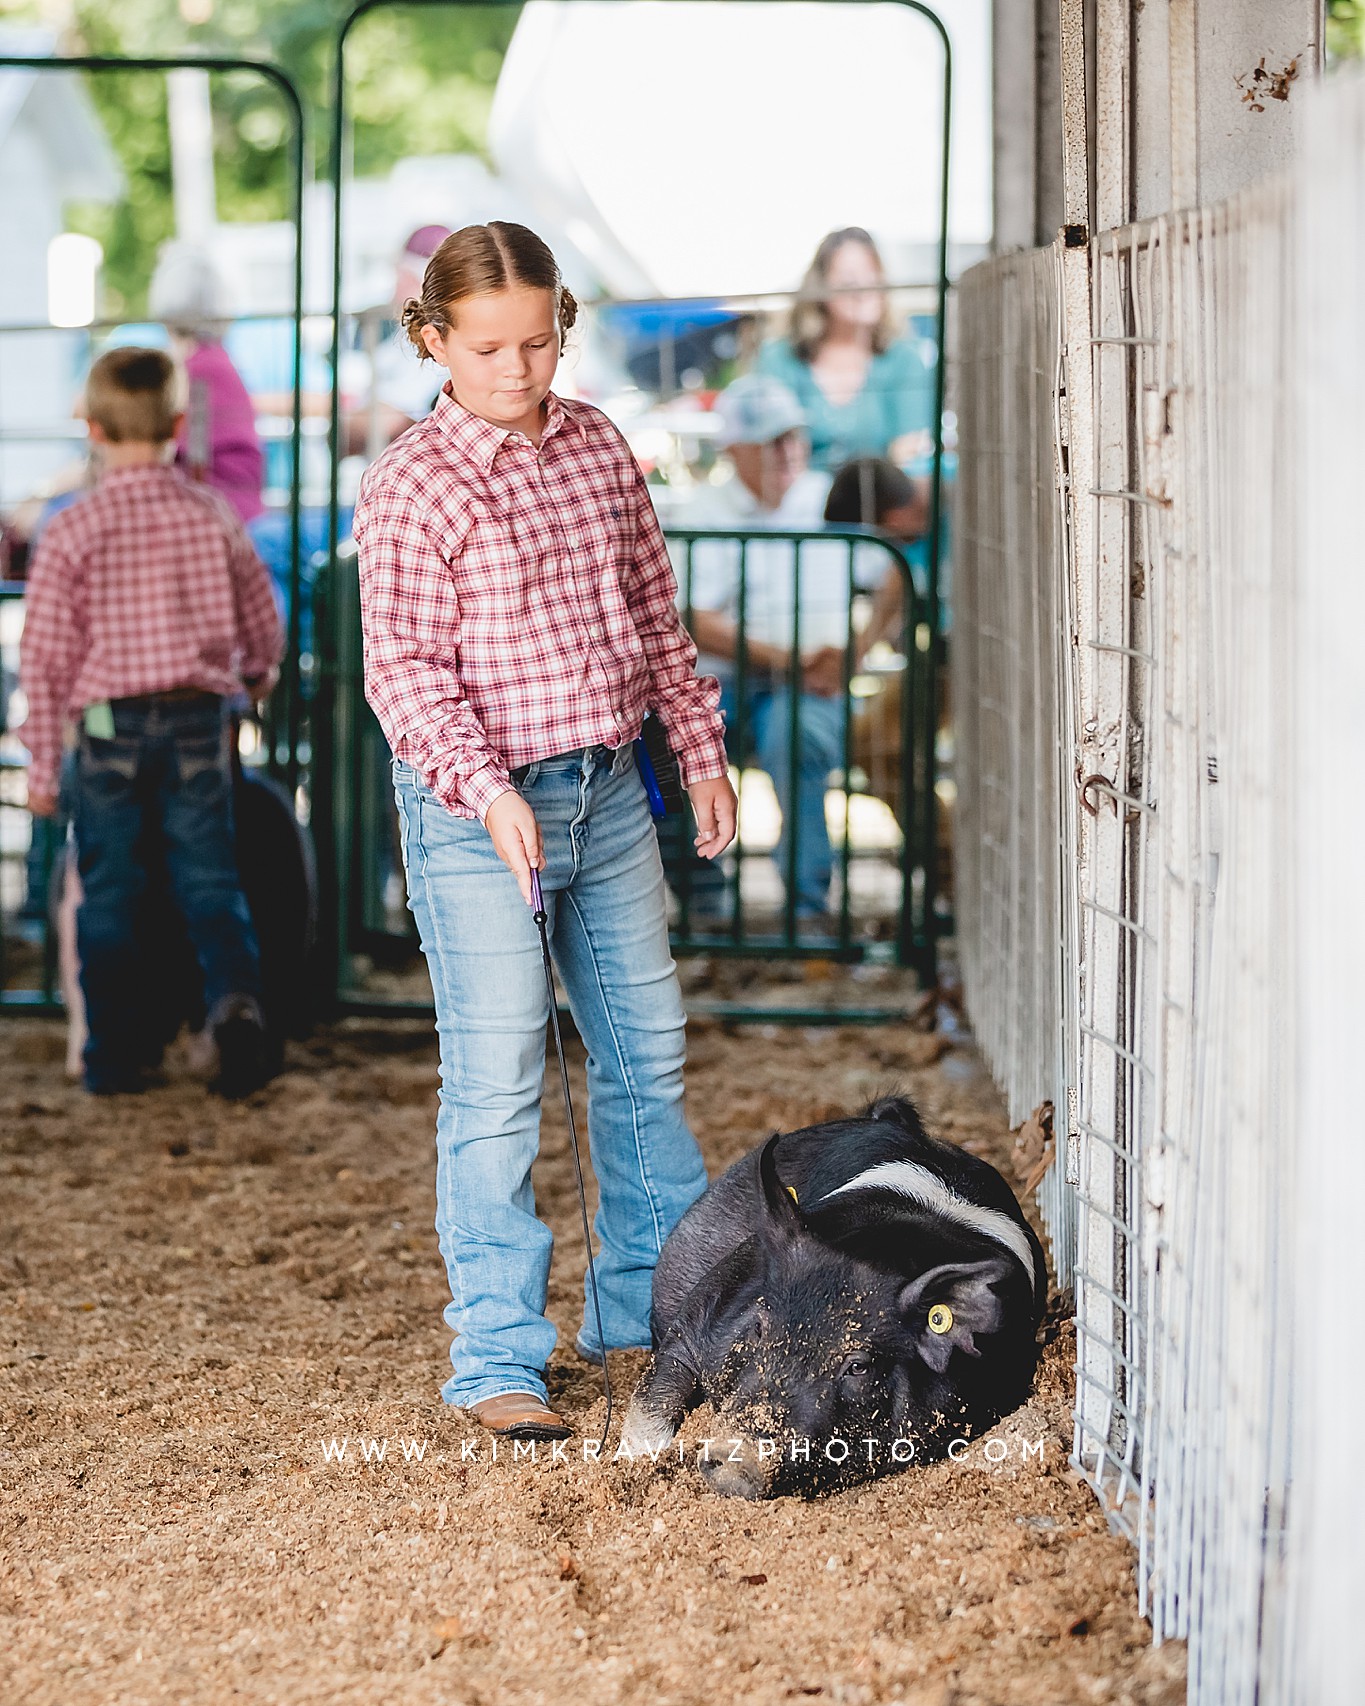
(519, 602)
(148, 583)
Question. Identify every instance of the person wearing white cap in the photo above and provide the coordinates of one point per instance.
(763, 433)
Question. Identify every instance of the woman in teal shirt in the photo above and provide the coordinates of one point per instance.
(865, 391)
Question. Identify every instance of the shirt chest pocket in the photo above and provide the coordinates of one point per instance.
(494, 557)
(605, 527)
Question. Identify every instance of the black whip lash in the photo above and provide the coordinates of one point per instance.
(541, 918)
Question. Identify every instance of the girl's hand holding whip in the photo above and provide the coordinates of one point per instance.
(516, 838)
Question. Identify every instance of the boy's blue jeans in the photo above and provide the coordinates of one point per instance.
(819, 748)
(604, 892)
(767, 741)
(166, 773)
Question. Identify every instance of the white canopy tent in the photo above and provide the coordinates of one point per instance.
(694, 148)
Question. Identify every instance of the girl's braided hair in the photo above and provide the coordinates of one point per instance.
(477, 261)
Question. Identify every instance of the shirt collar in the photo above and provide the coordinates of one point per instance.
(144, 471)
(479, 439)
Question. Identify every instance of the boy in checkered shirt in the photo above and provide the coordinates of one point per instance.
(147, 607)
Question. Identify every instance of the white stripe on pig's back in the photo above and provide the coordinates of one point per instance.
(920, 1185)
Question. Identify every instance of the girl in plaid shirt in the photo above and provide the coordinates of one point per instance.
(519, 616)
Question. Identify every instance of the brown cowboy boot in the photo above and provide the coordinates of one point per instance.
(519, 1415)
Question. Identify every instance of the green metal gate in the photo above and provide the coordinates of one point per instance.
(285, 725)
(353, 765)
(320, 737)
(351, 756)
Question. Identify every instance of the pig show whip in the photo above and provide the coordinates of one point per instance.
(541, 918)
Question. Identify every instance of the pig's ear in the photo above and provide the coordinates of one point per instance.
(947, 1306)
(783, 1217)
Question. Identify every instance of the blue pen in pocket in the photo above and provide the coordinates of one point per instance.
(659, 769)
(650, 780)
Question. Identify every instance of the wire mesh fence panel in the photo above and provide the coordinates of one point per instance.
(1240, 1425)
(1204, 396)
(1113, 685)
(1171, 566)
(1201, 903)
(1181, 1415)
(1008, 663)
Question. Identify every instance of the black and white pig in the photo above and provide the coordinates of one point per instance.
(857, 1281)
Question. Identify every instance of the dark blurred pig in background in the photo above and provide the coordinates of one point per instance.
(840, 1291)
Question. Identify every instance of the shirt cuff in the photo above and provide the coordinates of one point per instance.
(703, 760)
(254, 667)
(478, 791)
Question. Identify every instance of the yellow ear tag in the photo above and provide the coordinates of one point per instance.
(791, 1193)
(940, 1319)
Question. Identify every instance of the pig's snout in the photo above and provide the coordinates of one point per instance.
(739, 1469)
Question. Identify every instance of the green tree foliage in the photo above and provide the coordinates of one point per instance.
(133, 110)
(421, 80)
(1346, 29)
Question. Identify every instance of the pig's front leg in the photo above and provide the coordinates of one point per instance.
(671, 1383)
(666, 1392)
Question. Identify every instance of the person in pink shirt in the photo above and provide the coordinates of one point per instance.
(146, 608)
(217, 442)
(520, 617)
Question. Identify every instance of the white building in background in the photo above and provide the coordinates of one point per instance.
(52, 151)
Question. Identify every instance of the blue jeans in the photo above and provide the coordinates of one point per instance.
(767, 739)
(820, 746)
(604, 892)
(165, 777)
